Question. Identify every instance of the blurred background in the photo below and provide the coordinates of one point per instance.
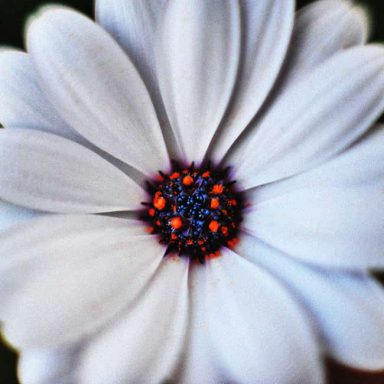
(13, 15)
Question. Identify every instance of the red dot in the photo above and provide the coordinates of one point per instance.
(215, 202)
(187, 180)
(218, 189)
(224, 231)
(232, 243)
(176, 222)
(214, 226)
(151, 212)
(159, 203)
(213, 255)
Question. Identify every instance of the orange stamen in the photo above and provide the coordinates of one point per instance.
(214, 226)
(206, 174)
(224, 230)
(173, 236)
(187, 180)
(159, 202)
(213, 255)
(215, 202)
(151, 212)
(174, 175)
(218, 189)
(232, 243)
(176, 222)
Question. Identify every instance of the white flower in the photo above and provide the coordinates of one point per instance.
(285, 99)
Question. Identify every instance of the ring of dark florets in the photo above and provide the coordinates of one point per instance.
(194, 211)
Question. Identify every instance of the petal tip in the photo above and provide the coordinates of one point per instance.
(46, 14)
(362, 16)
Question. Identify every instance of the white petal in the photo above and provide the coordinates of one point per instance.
(267, 27)
(133, 24)
(197, 61)
(96, 88)
(64, 277)
(349, 308)
(258, 332)
(328, 226)
(359, 166)
(47, 366)
(145, 345)
(314, 119)
(22, 103)
(322, 29)
(50, 173)
(11, 215)
(199, 362)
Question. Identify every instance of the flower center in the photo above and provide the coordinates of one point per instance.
(194, 211)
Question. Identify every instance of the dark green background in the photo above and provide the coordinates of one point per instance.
(12, 18)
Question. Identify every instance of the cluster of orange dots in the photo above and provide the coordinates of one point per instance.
(217, 199)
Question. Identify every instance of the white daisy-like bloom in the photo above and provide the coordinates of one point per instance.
(274, 271)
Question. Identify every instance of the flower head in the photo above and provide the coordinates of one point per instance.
(195, 211)
(95, 290)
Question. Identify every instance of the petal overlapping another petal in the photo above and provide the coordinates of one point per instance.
(49, 173)
(197, 54)
(102, 97)
(47, 366)
(146, 344)
(347, 307)
(331, 215)
(22, 102)
(258, 332)
(65, 277)
(313, 120)
(266, 32)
